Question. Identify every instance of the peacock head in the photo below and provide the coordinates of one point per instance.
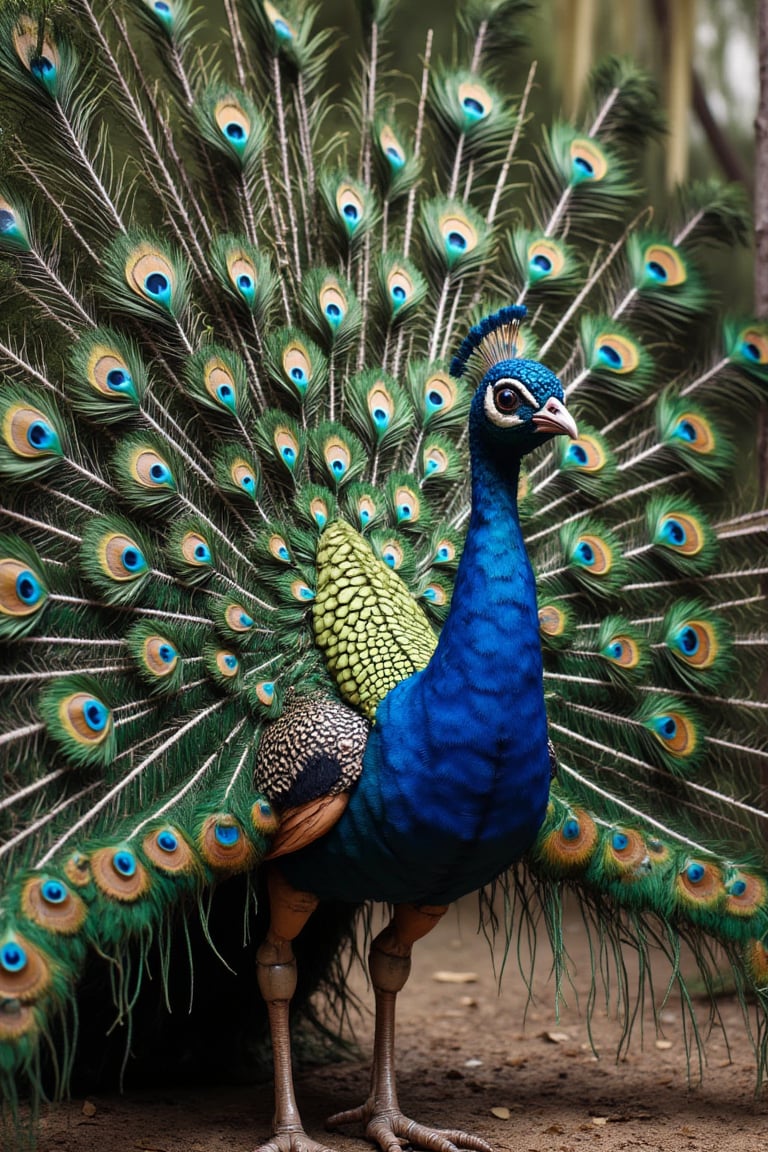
(519, 405)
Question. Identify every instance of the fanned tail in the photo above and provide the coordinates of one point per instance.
(243, 332)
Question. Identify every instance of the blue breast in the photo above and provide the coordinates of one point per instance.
(456, 771)
(430, 819)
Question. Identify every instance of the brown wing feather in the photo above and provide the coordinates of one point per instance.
(300, 826)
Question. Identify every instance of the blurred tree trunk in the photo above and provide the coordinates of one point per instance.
(760, 208)
(577, 42)
(675, 21)
(681, 14)
(761, 213)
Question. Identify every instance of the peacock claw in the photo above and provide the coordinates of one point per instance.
(292, 1140)
(393, 1131)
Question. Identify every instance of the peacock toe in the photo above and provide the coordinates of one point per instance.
(292, 1140)
(391, 1131)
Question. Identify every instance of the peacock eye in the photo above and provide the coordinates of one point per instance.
(505, 398)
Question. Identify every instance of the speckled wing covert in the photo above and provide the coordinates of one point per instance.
(371, 630)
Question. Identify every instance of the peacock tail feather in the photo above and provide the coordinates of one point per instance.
(227, 406)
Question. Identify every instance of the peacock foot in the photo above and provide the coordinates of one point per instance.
(293, 1139)
(393, 1131)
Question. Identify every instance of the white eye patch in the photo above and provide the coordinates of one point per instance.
(507, 419)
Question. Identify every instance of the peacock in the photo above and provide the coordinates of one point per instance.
(372, 528)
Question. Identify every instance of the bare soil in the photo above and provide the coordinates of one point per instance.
(465, 1050)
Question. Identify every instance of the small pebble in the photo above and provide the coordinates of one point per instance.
(446, 977)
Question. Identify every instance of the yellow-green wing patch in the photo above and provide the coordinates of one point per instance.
(372, 632)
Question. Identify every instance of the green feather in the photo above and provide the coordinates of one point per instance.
(280, 544)
(623, 650)
(147, 474)
(191, 550)
(32, 440)
(667, 282)
(587, 464)
(337, 455)
(298, 366)
(713, 212)
(38, 63)
(237, 473)
(692, 433)
(441, 402)
(402, 288)
(350, 206)
(396, 166)
(440, 462)
(496, 26)
(379, 410)
(217, 380)
(23, 588)
(542, 263)
(15, 230)
(282, 444)
(245, 274)
(625, 102)
(435, 595)
(680, 535)
(578, 169)
(457, 240)
(315, 507)
(676, 732)
(746, 345)
(157, 652)
(146, 279)
(168, 23)
(286, 32)
(232, 125)
(364, 505)
(224, 667)
(556, 623)
(592, 557)
(408, 507)
(107, 378)
(697, 645)
(397, 552)
(78, 717)
(445, 547)
(116, 558)
(330, 308)
(470, 110)
(619, 364)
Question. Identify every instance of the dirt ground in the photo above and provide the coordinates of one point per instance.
(467, 1058)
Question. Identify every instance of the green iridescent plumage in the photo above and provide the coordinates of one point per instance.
(236, 478)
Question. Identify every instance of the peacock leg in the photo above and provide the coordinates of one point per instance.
(389, 964)
(289, 912)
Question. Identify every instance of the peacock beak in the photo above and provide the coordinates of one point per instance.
(555, 418)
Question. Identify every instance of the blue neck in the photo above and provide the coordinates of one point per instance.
(492, 627)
